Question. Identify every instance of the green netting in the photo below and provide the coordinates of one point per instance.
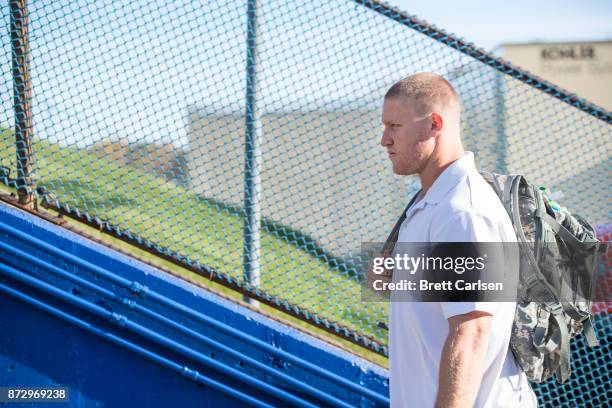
(183, 126)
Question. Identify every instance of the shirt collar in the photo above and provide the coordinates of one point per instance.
(448, 179)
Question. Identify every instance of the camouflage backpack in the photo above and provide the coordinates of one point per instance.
(556, 278)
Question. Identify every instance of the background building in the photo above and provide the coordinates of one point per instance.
(584, 68)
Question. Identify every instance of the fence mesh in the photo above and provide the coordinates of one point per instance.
(184, 126)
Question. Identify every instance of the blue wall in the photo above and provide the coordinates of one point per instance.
(120, 333)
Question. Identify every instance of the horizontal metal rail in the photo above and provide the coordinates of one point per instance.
(314, 392)
(123, 322)
(142, 291)
(181, 369)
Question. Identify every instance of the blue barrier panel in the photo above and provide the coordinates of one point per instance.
(117, 332)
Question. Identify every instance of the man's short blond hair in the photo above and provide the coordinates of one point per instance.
(428, 91)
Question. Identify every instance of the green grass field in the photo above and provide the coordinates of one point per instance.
(201, 229)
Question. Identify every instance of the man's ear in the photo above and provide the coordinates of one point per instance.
(437, 122)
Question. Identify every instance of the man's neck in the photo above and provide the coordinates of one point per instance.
(435, 167)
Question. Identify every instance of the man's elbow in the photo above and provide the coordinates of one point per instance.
(472, 330)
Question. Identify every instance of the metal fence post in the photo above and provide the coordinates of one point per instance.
(500, 122)
(22, 91)
(252, 166)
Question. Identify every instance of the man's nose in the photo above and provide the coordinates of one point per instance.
(385, 140)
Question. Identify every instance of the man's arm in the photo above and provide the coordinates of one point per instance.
(462, 360)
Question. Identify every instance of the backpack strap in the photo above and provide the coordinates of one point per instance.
(558, 340)
(566, 290)
(589, 333)
(567, 236)
(540, 332)
(507, 188)
(564, 370)
(532, 276)
(392, 238)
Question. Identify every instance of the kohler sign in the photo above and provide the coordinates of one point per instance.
(568, 52)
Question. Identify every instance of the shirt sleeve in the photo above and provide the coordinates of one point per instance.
(467, 227)
(450, 309)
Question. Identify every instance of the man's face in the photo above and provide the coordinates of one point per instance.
(407, 137)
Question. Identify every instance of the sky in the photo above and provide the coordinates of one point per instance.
(135, 72)
(490, 23)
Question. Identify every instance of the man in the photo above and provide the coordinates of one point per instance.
(447, 354)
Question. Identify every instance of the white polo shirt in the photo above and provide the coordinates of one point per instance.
(458, 207)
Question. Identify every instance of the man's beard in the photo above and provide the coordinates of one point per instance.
(415, 165)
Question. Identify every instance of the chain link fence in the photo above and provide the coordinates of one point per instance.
(240, 139)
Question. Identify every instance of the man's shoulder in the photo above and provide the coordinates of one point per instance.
(472, 194)
(473, 205)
